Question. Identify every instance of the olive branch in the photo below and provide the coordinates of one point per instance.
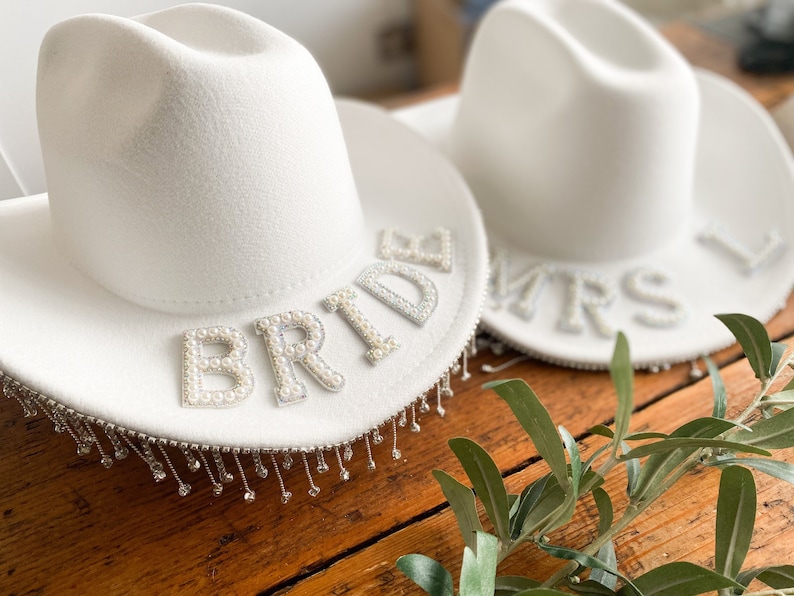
(734, 446)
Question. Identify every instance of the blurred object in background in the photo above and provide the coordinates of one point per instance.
(771, 49)
(660, 12)
(443, 31)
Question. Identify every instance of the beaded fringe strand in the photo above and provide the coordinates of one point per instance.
(162, 456)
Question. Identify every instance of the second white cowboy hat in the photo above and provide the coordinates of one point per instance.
(227, 261)
(621, 190)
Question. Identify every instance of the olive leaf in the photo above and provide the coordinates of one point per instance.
(622, 374)
(573, 455)
(678, 579)
(551, 500)
(753, 338)
(736, 505)
(606, 554)
(541, 592)
(778, 350)
(478, 572)
(461, 500)
(605, 510)
(527, 501)
(536, 421)
(507, 585)
(633, 470)
(428, 574)
(487, 482)
(778, 577)
(591, 587)
(718, 388)
(674, 443)
(776, 432)
(778, 469)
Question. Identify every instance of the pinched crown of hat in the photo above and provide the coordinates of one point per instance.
(194, 164)
(621, 189)
(593, 149)
(205, 189)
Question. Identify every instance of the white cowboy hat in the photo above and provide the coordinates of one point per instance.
(227, 261)
(620, 189)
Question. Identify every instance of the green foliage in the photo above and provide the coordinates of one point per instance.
(735, 519)
(754, 340)
(678, 579)
(478, 573)
(461, 498)
(652, 467)
(427, 573)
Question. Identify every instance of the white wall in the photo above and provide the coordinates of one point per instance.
(342, 35)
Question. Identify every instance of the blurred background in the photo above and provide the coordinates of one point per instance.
(372, 49)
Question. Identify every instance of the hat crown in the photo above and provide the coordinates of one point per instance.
(194, 158)
(577, 130)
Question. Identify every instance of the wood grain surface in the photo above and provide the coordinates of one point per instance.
(69, 526)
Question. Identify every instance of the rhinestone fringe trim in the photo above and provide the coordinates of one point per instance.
(161, 455)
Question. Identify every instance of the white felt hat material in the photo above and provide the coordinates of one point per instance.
(621, 189)
(227, 259)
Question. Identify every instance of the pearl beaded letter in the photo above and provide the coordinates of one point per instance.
(288, 388)
(412, 251)
(593, 303)
(532, 283)
(641, 284)
(418, 313)
(715, 233)
(379, 346)
(230, 363)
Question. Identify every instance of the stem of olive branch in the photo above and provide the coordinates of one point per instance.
(758, 400)
(777, 402)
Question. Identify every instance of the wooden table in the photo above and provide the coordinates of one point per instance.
(67, 525)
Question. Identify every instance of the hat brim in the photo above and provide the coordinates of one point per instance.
(744, 179)
(91, 351)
